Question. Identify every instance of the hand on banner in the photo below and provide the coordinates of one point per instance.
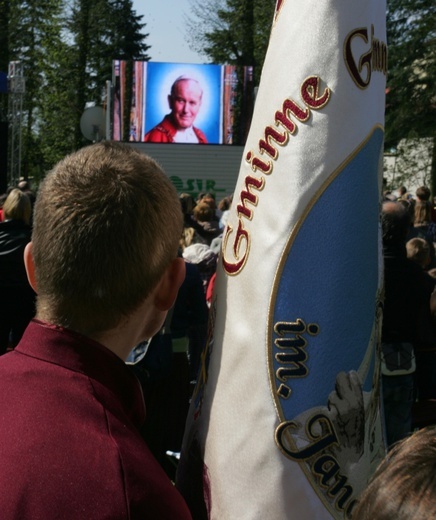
(347, 413)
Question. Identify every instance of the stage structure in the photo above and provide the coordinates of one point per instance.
(17, 89)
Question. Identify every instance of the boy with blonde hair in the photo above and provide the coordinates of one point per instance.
(418, 250)
(103, 261)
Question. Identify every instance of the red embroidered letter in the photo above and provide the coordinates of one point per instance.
(309, 93)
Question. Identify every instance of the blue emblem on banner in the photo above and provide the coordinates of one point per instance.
(324, 325)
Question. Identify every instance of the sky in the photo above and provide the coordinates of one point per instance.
(166, 29)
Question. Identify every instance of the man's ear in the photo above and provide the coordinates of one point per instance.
(170, 101)
(30, 265)
(166, 291)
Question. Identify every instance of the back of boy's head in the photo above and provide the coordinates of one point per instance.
(404, 485)
(107, 224)
(423, 193)
(418, 250)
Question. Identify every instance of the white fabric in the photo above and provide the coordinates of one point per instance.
(185, 136)
(309, 253)
(197, 253)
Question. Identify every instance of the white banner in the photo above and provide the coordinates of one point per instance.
(285, 420)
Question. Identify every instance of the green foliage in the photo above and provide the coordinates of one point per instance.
(4, 34)
(33, 29)
(102, 31)
(66, 49)
(232, 31)
(410, 101)
(237, 32)
(4, 52)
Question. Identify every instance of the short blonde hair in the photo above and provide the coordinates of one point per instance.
(107, 224)
(17, 206)
(418, 250)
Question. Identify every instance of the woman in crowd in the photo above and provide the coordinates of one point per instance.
(17, 302)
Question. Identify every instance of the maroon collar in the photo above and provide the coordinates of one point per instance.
(116, 385)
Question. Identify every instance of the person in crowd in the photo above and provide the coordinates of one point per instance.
(200, 196)
(178, 126)
(422, 224)
(169, 368)
(201, 224)
(425, 217)
(205, 258)
(426, 232)
(422, 215)
(196, 242)
(224, 206)
(188, 203)
(422, 196)
(70, 443)
(3, 198)
(189, 237)
(418, 250)
(17, 304)
(402, 193)
(408, 294)
(25, 186)
(409, 204)
(190, 226)
(404, 485)
(209, 198)
(205, 223)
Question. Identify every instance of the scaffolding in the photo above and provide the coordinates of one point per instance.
(15, 113)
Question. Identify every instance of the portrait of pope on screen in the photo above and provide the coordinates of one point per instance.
(184, 101)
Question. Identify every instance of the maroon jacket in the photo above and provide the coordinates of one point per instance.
(165, 131)
(69, 442)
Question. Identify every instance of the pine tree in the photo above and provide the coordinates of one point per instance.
(4, 52)
(32, 28)
(66, 49)
(103, 30)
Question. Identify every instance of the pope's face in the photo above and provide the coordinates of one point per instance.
(185, 103)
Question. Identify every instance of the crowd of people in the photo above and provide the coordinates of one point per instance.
(115, 307)
(409, 315)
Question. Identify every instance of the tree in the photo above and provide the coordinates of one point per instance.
(128, 45)
(4, 51)
(66, 49)
(410, 101)
(411, 95)
(232, 31)
(32, 28)
(55, 132)
(103, 30)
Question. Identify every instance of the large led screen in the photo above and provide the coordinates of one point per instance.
(181, 103)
